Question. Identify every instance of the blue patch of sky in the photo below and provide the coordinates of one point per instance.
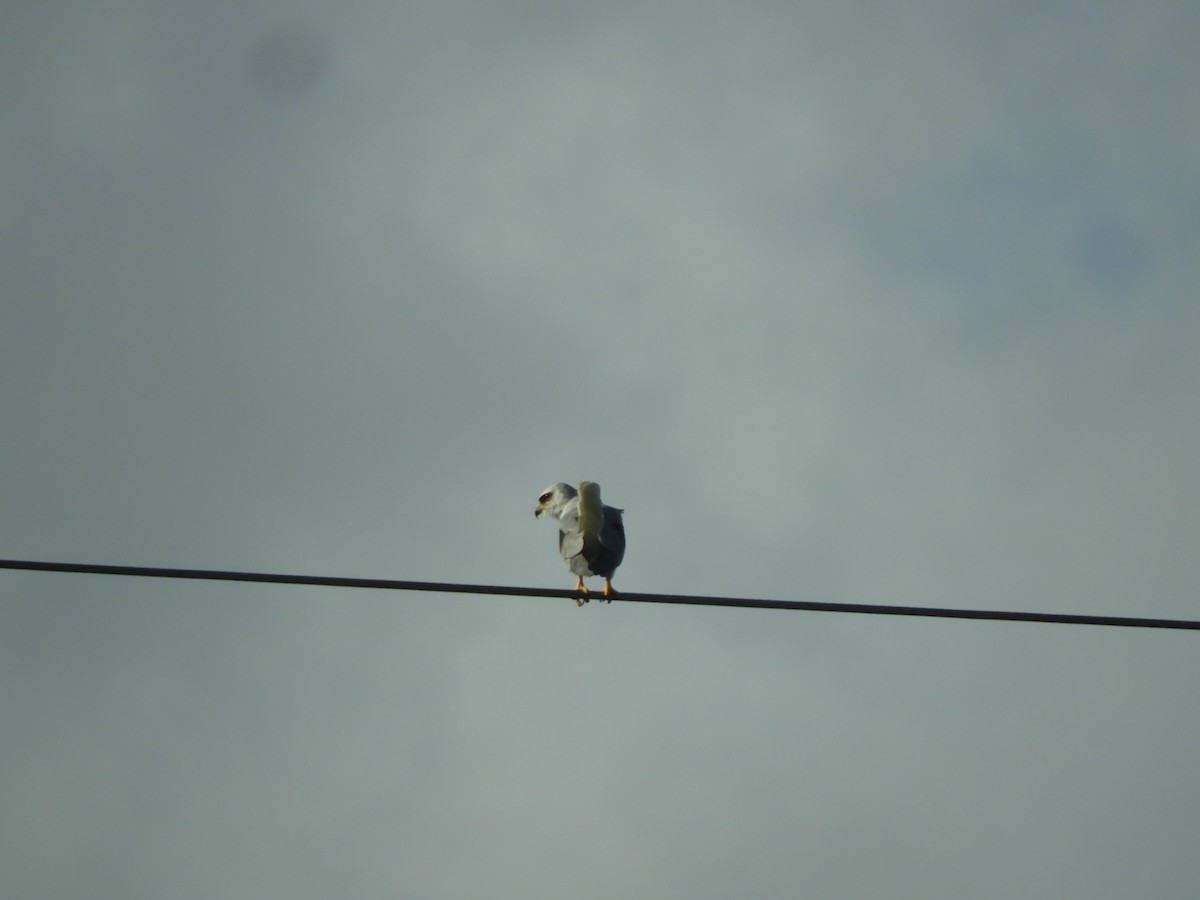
(1002, 231)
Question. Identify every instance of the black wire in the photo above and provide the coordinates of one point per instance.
(393, 585)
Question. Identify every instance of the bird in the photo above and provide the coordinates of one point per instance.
(591, 536)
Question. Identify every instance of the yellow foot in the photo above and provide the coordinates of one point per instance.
(580, 588)
(609, 590)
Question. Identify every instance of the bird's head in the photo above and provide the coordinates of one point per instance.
(554, 499)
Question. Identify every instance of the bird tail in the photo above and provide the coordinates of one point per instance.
(591, 510)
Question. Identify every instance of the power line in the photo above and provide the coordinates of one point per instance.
(387, 584)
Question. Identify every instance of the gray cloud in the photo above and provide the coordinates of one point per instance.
(887, 307)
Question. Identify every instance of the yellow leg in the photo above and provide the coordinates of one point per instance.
(580, 588)
(609, 590)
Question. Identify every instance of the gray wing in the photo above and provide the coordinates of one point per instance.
(605, 558)
(612, 532)
(570, 538)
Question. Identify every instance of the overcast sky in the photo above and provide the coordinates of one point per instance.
(885, 303)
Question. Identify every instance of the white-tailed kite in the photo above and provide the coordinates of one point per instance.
(591, 536)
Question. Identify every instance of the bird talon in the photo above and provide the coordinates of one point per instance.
(609, 591)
